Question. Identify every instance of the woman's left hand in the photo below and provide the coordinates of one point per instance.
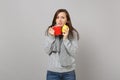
(65, 34)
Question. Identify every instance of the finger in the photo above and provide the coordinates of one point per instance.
(63, 33)
(49, 29)
(66, 30)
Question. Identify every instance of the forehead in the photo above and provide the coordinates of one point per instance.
(62, 14)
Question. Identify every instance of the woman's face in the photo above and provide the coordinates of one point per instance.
(61, 19)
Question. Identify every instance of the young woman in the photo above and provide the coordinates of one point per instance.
(61, 48)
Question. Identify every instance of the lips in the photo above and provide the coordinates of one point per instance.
(59, 24)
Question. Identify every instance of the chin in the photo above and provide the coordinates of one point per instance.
(62, 25)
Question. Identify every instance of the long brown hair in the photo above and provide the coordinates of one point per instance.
(69, 23)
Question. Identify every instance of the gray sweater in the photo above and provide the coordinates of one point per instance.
(61, 61)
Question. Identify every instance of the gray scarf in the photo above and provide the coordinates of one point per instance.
(58, 46)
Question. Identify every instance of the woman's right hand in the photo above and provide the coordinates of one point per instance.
(51, 31)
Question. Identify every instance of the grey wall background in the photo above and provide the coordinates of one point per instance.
(22, 27)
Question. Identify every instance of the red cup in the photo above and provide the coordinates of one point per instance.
(57, 30)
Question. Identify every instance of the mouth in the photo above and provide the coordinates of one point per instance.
(60, 24)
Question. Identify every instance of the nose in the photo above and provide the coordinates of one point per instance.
(59, 19)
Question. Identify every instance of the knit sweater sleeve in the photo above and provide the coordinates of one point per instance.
(48, 43)
(71, 45)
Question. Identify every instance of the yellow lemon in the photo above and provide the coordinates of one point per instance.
(64, 28)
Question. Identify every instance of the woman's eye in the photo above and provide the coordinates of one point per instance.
(62, 17)
(57, 17)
